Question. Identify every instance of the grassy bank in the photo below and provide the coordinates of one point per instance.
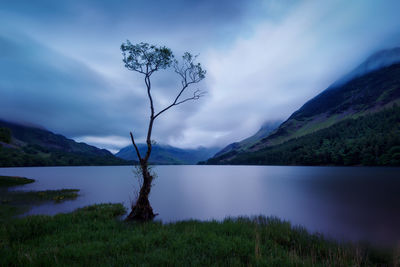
(13, 203)
(93, 236)
(6, 181)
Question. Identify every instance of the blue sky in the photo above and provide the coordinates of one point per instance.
(61, 67)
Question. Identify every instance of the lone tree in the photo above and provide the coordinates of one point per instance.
(147, 59)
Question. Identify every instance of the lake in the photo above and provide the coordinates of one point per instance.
(346, 203)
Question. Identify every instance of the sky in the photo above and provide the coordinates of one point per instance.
(61, 66)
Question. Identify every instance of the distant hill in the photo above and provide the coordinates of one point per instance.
(164, 154)
(31, 146)
(263, 132)
(371, 88)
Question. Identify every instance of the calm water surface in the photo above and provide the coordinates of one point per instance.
(357, 203)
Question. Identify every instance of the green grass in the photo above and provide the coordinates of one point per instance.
(93, 236)
(32, 197)
(14, 180)
(8, 211)
(13, 203)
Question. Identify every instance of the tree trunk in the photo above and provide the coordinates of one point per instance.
(142, 210)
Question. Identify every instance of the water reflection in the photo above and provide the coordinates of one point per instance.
(345, 203)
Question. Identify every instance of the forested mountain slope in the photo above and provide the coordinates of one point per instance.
(31, 146)
(370, 88)
(371, 140)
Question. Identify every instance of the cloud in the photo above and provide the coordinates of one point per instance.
(61, 66)
(45, 87)
(283, 64)
(112, 142)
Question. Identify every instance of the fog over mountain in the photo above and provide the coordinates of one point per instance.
(350, 123)
(378, 60)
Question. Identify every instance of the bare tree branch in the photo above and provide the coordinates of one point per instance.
(196, 95)
(136, 148)
(190, 73)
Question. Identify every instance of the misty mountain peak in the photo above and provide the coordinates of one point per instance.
(378, 60)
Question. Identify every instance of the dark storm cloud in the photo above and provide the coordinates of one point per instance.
(42, 86)
(56, 59)
(61, 67)
(217, 17)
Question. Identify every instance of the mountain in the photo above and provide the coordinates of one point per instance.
(370, 140)
(165, 154)
(22, 145)
(374, 87)
(379, 60)
(263, 132)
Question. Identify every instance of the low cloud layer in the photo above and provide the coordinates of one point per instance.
(61, 67)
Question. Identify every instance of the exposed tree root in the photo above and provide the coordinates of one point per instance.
(141, 211)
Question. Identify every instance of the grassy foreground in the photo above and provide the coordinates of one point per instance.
(94, 236)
